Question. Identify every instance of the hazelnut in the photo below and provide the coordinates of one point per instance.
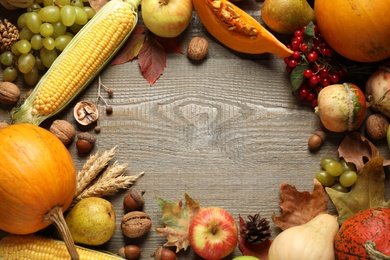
(85, 142)
(162, 253)
(136, 224)
(197, 48)
(9, 93)
(316, 140)
(376, 126)
(134, 200)
(86, 112)
(63, 130)
(130, 252)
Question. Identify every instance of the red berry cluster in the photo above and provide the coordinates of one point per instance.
(317, 62)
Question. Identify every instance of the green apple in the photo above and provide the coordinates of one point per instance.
(91, 221)
(246, 257)
(166, 18)
(213, 233)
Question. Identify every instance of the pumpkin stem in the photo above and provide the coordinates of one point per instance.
(56, 216)
(370, 247)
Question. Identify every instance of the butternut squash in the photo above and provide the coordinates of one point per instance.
(237, 30)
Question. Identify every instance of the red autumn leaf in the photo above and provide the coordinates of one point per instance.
(257, 250)
(131, 47)
(170, 45)
(299, 207)
(152, 60)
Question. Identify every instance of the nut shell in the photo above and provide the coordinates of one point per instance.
(136, 224)
(63, 130)
(197, 48)
(376, 126)
(9, 93)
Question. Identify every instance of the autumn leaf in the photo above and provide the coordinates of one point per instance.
(97, 4)
(299, 207)
(131, 47)
(257, 250)
(176, 220)
(152, 60)
(170, 45)
(367, 192)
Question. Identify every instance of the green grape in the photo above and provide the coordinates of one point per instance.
(14, 48)
(39, 64)
(81, 16)
(46, 29)
(325, 178)
(10, 74)
(22, 21)
(26, 33)
(33, 22)
(68, 15)
(32, 77)
(348, 178)
(26, 62)
(347, 165)
(49, 43)
(24, 46)
(59, 29)
(337, 186)
(89, 11)
(47, 2)
(75, 28)
(50, 14)
(61, 41)
(36, 42)
(334, 168)
(325, 160)
(7, 58)
(47, 56)
(34, 7)
(63, 2)
(78, 3)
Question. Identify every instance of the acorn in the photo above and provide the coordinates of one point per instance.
(134, 200)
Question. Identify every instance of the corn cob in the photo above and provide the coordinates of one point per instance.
(78, 64)
(33, 247)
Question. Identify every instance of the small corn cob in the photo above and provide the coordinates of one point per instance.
(33, 247)
(78, 64)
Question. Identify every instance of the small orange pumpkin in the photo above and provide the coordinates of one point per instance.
(236, 29)
(357, 29)
(37, 181)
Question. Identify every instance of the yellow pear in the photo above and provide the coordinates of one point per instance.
(91, 221)
(286, 16)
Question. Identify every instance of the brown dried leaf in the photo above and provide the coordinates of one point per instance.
(97, 4)
(299, 207)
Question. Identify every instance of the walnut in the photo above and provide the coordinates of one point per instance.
(3, 125)
(86, 112)
(63, 130)
(197, 48)
(9, 93)
(376, 126)
(135, 224)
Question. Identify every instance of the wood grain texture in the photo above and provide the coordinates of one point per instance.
(227, 131)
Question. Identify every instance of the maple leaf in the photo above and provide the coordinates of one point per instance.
(176, 220)
(357, 149)
(367, 192)
(299, 207)
(131, 47)
(152, 60)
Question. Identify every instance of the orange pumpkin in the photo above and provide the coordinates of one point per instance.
(37, 181)
(357, 29)
(236, 29)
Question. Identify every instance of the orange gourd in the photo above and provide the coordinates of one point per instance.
(357, 29)
(37, 181)
(236, 29)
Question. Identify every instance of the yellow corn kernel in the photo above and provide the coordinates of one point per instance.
(33, 247)
(79, 62)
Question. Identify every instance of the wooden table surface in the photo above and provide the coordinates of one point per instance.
(227, 130)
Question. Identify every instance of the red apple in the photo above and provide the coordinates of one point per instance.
(166, 18)
(213, 233)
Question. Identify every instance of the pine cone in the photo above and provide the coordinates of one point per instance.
(9, 34)
(256, 230)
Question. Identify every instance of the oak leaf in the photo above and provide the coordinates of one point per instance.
(131, 47)
(152, 60)
(176, 220)
(367, 192)
(299, 207)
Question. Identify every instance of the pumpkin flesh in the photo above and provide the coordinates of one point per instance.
(357, 29)
(236, 29)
